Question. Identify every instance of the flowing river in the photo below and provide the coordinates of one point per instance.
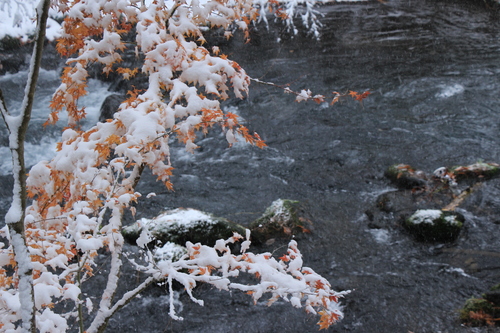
(432, 67)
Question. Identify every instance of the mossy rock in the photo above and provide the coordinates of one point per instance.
(476, 170)
(181, 225)
(479, 312)
(434, 225)
(404, 176)
(281, 219)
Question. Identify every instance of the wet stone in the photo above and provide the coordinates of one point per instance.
(110, 106)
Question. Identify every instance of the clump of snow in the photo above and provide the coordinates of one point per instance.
(278, 210)
(430, 216)
(17, 20)
(451, 219)
(144, 238)
(425, 216)
(178, 217)
(170, 251)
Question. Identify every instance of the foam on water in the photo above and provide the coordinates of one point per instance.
(451, 90)
(33, 153)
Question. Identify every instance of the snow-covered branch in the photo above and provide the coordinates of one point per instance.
(284, 278)
(79, 197)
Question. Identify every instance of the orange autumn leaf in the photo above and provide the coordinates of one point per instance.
(362, 96)
(327, 319)
(127, 72)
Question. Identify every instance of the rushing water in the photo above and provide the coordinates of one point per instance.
(432, 67)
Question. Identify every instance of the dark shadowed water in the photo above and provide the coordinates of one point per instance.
(433, 69)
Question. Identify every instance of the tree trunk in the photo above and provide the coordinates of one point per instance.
(17, 126)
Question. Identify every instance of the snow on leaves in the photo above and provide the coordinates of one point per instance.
(307, 95)
(284, 278)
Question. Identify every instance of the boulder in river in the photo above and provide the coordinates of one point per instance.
(281, 219)
(181, 225)
(435, 225)
(110, 106)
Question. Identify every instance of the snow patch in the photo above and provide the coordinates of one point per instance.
(425, 216)
(182, 217)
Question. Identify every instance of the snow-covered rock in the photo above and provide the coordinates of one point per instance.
(281, 219)
(435, 225)
(181, 225)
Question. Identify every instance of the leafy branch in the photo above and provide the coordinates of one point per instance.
(306, 95)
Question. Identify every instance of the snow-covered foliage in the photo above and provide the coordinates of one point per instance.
(79, 197)
(17, 16)
(17, 20)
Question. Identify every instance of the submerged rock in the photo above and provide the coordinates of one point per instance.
(181, 225)
(440, 193)
(281, 219)
(434, 225)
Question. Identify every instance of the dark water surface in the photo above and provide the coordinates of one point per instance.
(433, 70)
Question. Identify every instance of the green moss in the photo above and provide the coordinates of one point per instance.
(495, 287)
(478, 312)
